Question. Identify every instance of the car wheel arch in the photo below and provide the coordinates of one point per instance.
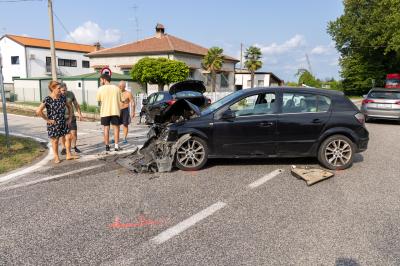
(339, 131)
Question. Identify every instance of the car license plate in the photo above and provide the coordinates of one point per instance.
(379, 105)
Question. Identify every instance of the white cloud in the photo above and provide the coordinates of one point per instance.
(321, 50)
(90, 32)
(291, 44)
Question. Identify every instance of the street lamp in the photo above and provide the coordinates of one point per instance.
(3, 99)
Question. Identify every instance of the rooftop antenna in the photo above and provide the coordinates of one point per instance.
(136, 21)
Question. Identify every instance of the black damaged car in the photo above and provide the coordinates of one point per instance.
(260, 123)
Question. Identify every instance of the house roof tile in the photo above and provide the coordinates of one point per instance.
(165, 43)
(42, 43)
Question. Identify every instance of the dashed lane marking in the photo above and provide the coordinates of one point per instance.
(265, 178)
(185, 224)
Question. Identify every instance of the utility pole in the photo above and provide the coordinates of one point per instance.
(3, 99)
(52, 43)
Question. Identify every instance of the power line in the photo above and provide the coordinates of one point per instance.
(18, 1)
(63, 26)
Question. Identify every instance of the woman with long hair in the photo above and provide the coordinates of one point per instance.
(57, 126)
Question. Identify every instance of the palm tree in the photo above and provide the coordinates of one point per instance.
(253, 63)
(212, 62)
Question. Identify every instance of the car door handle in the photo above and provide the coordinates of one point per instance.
(317, 121)
(266, 124)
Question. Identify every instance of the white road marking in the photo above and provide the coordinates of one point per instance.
(182, 226)
(91, 157)
(51, 177)
(265, 178)
(32, 168)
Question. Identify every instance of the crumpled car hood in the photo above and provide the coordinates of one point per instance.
(188, 85)
(181, 108)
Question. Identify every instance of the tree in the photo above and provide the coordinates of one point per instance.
(306, 78)
(212, 62)
(367, 37)
(253, 63)
(160, 71)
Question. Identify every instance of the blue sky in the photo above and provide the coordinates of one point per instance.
(285, 30)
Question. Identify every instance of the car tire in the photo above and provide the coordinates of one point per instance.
(336, 152)
(367, 119)
(192, 154)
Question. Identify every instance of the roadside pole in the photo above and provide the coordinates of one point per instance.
(3, 99)
(52, 43)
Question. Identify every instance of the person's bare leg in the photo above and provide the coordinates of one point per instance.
(62, 140)
(74, 137)
(68, 148)
(54, 145)
(116, 134)
(125, 132)
(107, 135)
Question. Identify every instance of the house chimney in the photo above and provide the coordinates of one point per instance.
(160, 29)
(97, 46)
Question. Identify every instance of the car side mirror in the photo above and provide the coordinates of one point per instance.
(364, 96)
(228, 115)
(145, 102)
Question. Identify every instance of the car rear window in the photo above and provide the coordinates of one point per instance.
(384, 95)
(188, 94)
(305, 103)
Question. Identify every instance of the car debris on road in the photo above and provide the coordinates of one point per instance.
(158, 153)
(311, 175)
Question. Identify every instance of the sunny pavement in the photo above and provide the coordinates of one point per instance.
(351, 218)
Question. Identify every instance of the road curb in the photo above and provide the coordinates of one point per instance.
(31, 168)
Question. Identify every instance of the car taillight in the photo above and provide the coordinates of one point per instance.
(171, 102)
(398, 102)
(367, 101)
(360, 117)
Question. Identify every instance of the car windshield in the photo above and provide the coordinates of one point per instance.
(384, 95)
(188, 94)
(221, 102)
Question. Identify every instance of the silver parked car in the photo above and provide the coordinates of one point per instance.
(381, 104)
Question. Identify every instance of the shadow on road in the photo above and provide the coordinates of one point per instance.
(346, 262)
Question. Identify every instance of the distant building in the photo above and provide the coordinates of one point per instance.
(25, 57)
(261, 79)
(122, 58)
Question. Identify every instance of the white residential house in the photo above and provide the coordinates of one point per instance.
(120, 59)
(25, 57)
(261, 79)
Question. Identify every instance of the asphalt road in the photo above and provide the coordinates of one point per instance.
(95, 212)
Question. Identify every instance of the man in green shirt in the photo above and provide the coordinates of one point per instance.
(74, 127)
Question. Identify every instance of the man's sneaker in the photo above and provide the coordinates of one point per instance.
(117, 149)
(77, 150)
(124, 141)
(107, 147)
(63, 152)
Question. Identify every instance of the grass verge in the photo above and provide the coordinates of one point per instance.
(22, 151)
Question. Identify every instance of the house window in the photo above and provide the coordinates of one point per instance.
(191, 73)
(260, 83)
(249, 83)
(67, 62)
(126, 72)
(85, 64)
(48, 64)
(14, 60)
(224, 79)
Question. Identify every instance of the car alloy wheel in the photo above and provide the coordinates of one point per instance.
(338, 153)
(192, 154)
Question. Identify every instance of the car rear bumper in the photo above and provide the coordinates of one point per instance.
(362, 145)
(382, 114)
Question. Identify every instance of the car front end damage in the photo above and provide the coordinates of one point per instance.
(159, 151)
